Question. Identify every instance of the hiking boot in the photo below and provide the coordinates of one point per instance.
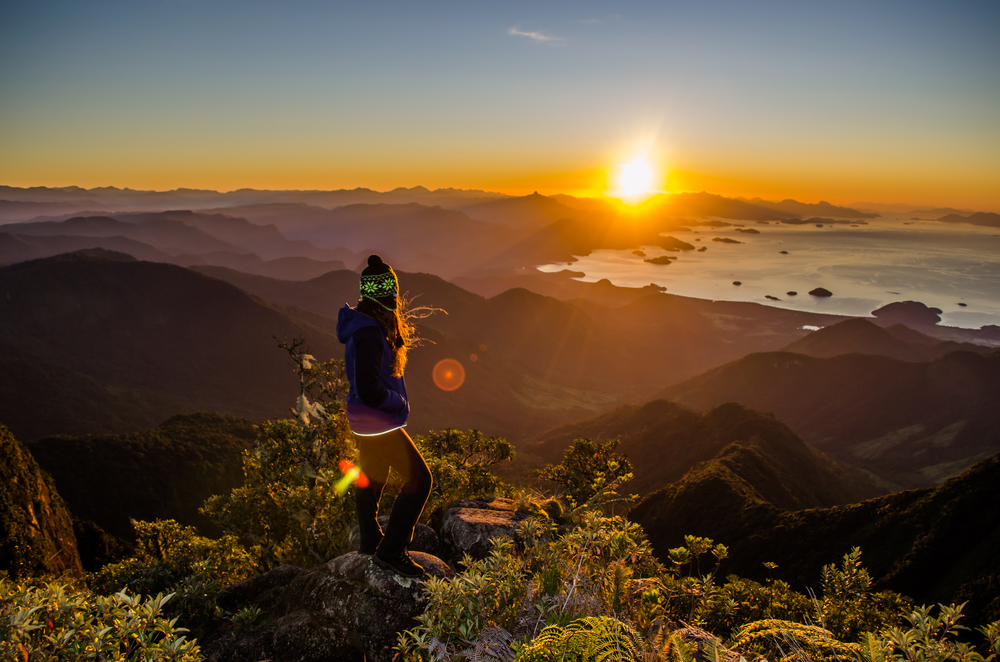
(402, 565)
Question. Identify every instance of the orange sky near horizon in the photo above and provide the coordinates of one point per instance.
(839, 189)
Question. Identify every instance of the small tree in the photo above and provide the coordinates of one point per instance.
(289, 509)
(587, 468)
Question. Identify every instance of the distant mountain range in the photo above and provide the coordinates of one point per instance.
(110, 198)
(988, 219)
(183, 238)
(807, 209)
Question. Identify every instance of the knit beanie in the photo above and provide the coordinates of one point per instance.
(379, 283)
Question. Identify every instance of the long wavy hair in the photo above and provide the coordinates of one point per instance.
(400, 324)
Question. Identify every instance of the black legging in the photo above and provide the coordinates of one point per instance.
(376, 454)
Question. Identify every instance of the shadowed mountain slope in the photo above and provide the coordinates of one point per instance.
(130, 329)
(935, 544)
(914, 424)
(664, 440)
(21, 248)
(163, 473)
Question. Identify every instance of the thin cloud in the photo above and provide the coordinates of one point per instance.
(534, 36)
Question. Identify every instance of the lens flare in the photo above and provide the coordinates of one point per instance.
(448, 374)
(352, 474)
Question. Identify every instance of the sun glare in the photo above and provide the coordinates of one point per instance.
(635, 181)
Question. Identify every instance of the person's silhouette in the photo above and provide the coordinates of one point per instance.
(376, 338)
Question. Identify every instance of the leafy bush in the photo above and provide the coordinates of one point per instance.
(460, 463)
(171, 558)
(56, 622)
(849, 608)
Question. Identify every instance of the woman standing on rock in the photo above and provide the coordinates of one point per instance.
(377, 337)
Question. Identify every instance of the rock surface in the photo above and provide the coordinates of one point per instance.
(468, 526)
(348, 609)
(36, 527)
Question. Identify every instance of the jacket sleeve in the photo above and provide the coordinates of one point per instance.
(369, 348)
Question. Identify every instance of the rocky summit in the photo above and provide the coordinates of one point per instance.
(349, 608)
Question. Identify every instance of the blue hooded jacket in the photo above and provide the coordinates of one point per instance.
(394, 409)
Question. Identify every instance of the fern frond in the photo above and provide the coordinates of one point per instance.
(492, 645)
(797, 637)
(593, 638)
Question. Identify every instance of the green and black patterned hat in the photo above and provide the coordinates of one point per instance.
(379, 283)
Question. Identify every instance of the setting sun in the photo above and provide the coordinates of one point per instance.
(635, 181)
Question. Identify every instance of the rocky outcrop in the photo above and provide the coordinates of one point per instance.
(348, 609)
(36, 528)
(468, 526)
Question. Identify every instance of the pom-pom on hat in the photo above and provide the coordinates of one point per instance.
(379, 283)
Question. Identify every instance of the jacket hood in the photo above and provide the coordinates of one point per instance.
(350, 320)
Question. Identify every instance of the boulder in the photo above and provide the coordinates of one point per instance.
(468, 526)
(348, 609)
(821, 292)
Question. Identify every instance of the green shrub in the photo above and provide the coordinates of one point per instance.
(602, 567)
(460, 464)
(171, 558)
(56, 622)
